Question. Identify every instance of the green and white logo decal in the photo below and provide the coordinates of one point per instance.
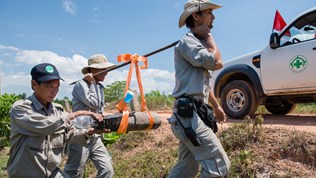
(298, 64)
(49, 69)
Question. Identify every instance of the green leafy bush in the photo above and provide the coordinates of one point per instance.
(6, 102)
(156, 101)
(62, 101)
(114, 91)
(243, 165)
(110, 138)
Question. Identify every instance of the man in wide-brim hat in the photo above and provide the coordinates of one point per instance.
(196, 6)
(195, 55)
(88, 95)
(98, 61)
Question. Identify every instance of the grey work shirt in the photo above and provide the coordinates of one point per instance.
(89, 97)
(207, 87)
(192, 62)
(37, 138)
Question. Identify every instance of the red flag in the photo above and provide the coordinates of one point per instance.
(279, 23)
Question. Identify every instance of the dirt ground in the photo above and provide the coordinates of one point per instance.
(279, 128)
(301, 122)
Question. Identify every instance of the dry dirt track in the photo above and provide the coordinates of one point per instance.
(300, 122)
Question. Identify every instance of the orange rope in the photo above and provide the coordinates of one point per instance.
(121, 106)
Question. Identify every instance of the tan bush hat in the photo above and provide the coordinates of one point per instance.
(97, 61)
(193, 6)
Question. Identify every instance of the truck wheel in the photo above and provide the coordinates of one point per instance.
(281, 108)
(239, 99)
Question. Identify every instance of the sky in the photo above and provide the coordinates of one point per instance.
(67, 32)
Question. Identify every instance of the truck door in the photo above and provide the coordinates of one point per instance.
(291, 68)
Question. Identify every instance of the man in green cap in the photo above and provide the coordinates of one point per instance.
(40, 128)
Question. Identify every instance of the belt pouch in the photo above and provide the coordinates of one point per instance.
(185, 107)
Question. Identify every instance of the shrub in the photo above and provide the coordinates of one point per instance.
(6, 102)
(241, 134)
(114, 91)
(155, 101)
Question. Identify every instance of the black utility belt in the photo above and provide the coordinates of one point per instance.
(187, 105)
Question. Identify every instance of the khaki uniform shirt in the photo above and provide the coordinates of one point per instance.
(192, 62)
(37, 138)
(89, 97)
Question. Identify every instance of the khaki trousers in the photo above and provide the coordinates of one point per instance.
(210, 154)
(79, 154)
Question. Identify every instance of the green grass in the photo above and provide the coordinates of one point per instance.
(302, 108)
(305, 108)
(132, 157)
(4, 157)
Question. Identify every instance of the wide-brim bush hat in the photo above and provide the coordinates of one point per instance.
(193, 6)
(97, 61)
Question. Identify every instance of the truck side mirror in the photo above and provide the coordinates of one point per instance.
(274, 40)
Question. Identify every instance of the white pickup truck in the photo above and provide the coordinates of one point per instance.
(277, 76)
